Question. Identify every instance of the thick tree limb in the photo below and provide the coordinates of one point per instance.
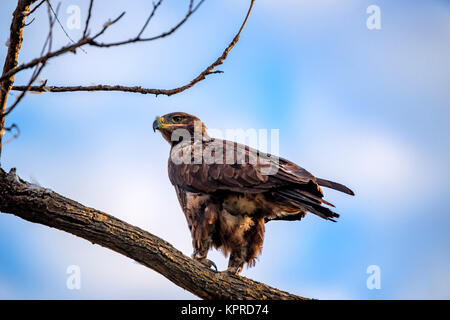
(138, 89)
(40, 205)
(15, 42)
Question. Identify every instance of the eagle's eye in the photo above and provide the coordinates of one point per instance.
(177, 119)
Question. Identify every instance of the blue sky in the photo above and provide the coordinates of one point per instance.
(368, 108)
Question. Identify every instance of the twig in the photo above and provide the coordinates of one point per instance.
(23, 93)
(59, 22)
(190, 12)
(36, 7)
(28, 23)
(86, 25)
(155, 7)
(15, 135)
(68, 48)
(92, 41)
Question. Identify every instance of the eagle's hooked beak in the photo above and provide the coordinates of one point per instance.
(157, 124)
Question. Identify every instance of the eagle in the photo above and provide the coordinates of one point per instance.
(227, 202)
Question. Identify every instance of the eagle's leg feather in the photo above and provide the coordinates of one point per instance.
(201, 216)
(248, 249)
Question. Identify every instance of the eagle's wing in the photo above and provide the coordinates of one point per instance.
(246, 177)
(289, 184)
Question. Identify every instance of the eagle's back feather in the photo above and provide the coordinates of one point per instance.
(291, 187)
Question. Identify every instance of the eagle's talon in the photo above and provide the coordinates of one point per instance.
(208, 263)
(213, 265)
(233, 270)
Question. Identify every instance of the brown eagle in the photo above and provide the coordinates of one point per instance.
(227, 202)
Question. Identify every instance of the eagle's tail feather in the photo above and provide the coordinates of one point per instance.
(312, 205)
(335, 186)
(322, 212)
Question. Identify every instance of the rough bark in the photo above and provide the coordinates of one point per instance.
(43, 206)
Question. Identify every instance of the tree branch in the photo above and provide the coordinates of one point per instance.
(92, 41)
(43, 206)
(138, 89)
(38, 69)
(15, 42)
(86, 25)
(68, 48)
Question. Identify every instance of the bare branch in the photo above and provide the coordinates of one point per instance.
(190, 12)
(137, 89)
(39, 67)
(86, 25)
(15, 42)
(59, 22)
(40, 205)
(68, 48)
(92, 41)
(28, 23)
(36, 7)
(23, 93)
(15, 135)
(43, 60)
(155, 7)
(10, 70)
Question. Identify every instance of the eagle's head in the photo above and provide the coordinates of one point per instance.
(169, 123)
